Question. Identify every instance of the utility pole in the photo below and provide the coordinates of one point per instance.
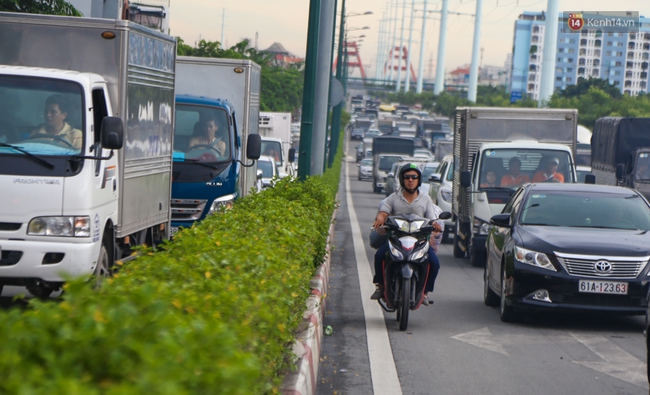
(473, 68)
(440, 65)
(418, 88)
(548, 56)
(311, 59)
(223, 22)
(398, 86)
(407, 84)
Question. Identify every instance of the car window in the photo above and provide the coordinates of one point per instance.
(509, 207)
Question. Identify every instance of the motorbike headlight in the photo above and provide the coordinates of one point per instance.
(395, 252)
(223, 202)
(481, 227)
(59, 226)
(445, 195)
(421, 252)
(534, 258)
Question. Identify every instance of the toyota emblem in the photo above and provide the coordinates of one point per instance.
(603, 267)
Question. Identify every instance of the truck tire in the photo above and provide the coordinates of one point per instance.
(458, 252)
(103, 267)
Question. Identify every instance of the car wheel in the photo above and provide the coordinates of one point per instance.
(506, 312)
(489, 297)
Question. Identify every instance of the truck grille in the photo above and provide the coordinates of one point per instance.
(187, 209)
(618, 267)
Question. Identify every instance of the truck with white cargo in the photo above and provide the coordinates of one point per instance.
(212, 175)
(387, 150)
(620, 153)
(86, 116)
(275, 128)
(487, 139)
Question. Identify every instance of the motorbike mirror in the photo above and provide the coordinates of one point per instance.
(444, 215)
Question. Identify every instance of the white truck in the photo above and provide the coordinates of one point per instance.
(86, 116)
(487, 139)
(275, 127)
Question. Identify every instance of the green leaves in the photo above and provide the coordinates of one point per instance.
(52, 7)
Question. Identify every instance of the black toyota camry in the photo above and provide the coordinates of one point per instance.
(569, 247)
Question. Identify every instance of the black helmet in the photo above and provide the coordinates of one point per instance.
(409, 167)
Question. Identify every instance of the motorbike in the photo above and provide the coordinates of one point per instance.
(406, 267)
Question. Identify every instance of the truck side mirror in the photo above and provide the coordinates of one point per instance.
(620, 170)
(292, 155)
(590, 179)
(112, 135)
(253, 146)
(465, 179)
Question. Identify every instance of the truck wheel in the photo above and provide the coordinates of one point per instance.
(458, 252)
(103, 267)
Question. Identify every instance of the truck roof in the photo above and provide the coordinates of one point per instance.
(39, 71)
(201, 100)
(525, 144)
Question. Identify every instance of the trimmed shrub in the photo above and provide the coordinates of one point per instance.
(213, 312)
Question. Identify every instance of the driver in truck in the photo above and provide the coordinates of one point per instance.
(55, 112)
(205, 133)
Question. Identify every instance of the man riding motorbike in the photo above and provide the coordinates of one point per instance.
(407, 199)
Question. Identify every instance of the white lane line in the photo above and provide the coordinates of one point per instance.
(382, 362)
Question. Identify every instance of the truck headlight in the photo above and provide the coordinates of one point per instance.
(534, 258)
(445, 195)
(481, 227)
(59, 226)
(223, 202)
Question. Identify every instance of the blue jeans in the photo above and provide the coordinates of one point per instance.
(434, 267)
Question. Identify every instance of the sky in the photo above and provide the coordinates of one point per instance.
(286, 21)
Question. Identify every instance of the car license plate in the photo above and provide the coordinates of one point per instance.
(603, 287)
(173, 230)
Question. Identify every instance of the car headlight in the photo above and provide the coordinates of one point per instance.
(59, 226)
(534, 258)
(445, 195)
(223, 202)
(398, 255)
(481, 227)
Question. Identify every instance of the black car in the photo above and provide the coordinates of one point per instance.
(357, 134)
(569, 247)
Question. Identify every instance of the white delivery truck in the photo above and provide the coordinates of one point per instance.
(86, 116)
(489, 140)
(275, 127)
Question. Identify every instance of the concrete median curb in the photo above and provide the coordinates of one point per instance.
(302, 381)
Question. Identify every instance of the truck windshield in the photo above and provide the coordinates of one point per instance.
(202, 134)
(274, 150)
(40, 116)
(511, 168)
(642, 172)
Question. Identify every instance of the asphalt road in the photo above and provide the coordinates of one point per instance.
(458, 345)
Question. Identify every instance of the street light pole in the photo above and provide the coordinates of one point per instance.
(336, 113)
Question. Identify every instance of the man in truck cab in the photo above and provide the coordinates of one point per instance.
(205, 133)
(550, 172)
(514, 178)
(54, 114)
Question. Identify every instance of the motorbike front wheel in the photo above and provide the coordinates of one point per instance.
(404, 303)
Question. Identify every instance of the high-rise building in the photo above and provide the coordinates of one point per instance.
(621, 57)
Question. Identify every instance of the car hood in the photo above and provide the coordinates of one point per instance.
(588, 241)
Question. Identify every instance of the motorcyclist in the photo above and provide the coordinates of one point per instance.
(407, 199)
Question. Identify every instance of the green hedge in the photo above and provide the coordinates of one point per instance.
(214, 312)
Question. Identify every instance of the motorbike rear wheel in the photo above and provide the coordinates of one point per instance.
(404, 303)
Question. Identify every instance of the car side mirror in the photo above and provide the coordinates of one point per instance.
(391, 175)
(259, 174)
(501, 220)
(435, 178)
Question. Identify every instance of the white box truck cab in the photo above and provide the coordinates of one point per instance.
(86, 109)
(490, 140)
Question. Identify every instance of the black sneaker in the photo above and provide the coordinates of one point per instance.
(379, 292)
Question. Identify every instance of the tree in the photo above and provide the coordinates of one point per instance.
(584, 85)
(51, 7)
(281, 89)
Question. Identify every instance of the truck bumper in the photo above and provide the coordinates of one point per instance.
(25, 260)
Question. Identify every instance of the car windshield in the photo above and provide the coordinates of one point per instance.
(202, 134)
(366, 162)
(586, 210)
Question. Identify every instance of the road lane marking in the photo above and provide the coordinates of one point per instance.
(481, 338)
(382, 362)
(616, 361)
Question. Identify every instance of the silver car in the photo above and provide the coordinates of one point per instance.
(440, 186)
(365, 169)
